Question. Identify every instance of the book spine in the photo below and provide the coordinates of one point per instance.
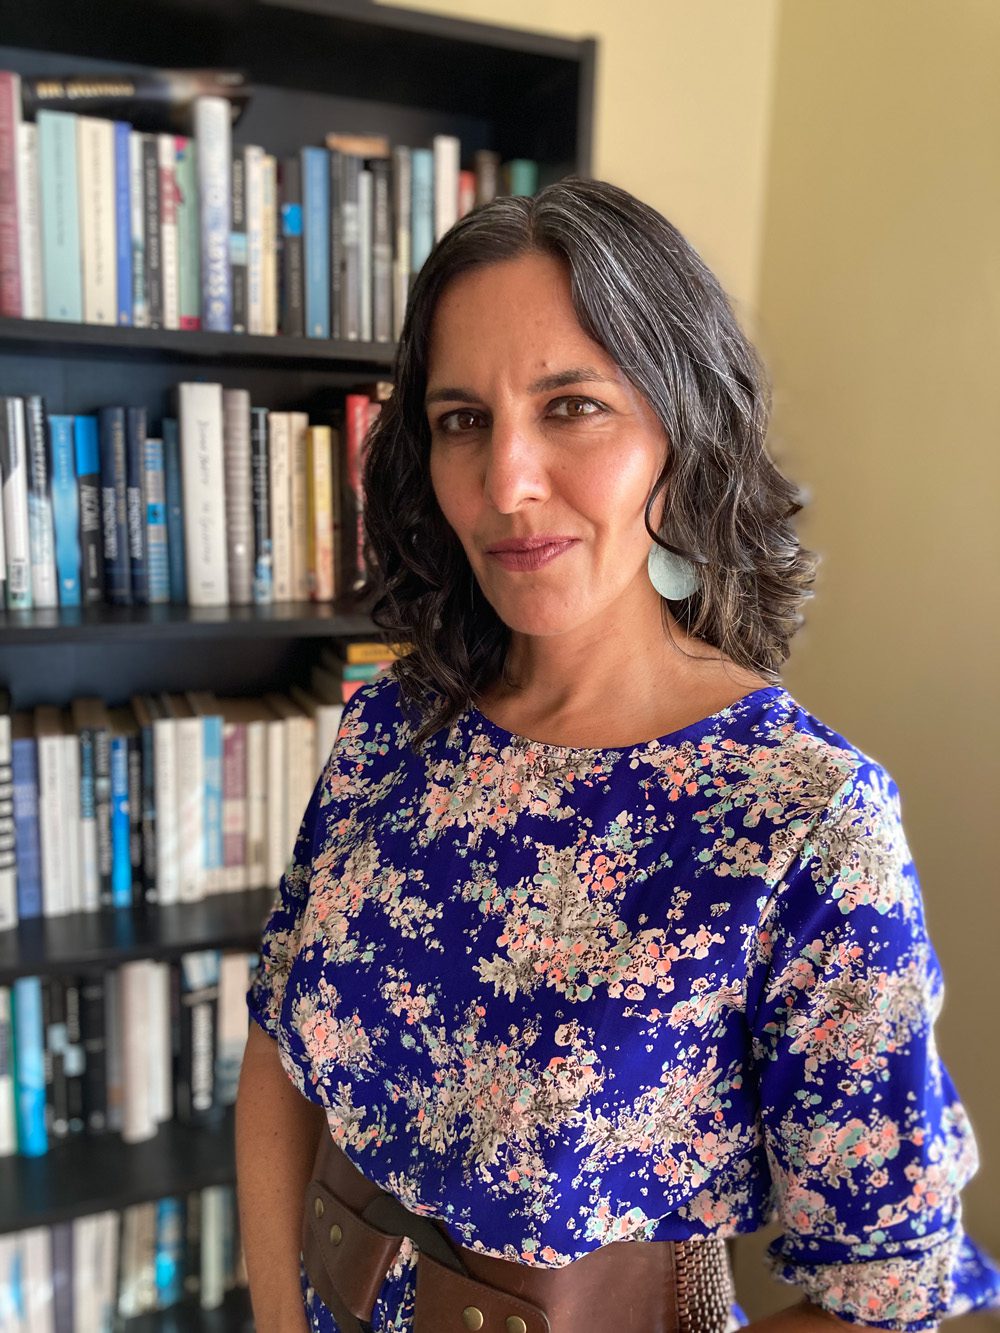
(54, 1058)
(350, 271)
(14, 472)
(102, 811)
(176, 556)
(356, 429)
(254, 169)
(167, 158)
(157, 554)
(203, 493)
(239, 498)
(195, 1089)
(292, 303)
(134, 760)
(402, 199)
(151, 230)
(446, 165)
(260, 468)
(165, 791)
(91, 879)
(69, 781)
(169, 1252)
(466, 192)
(93, 1040)
(212, 122)
(279, 458)
(123, 221)
(113, 1046)
(29, 1043)
(234, 805)
(29, 223)
(188, 241)
(256, 805)
(190, 800)
(487, 171)
(381, 250)
(214, 852)
(137, 228)
(41, 533)
(114, 514)
(88, 480)
(8, 1090)
(521, 176)
(365, 229)
(316, 210)
(74, 1058)
(29, 852)
(320, 475)
(138, 1124)
(148, 808)
(62, 1275)
(299, 496)
(96, 167)
(135, 504)
(121, 861)
(10, 256)
(270, 244)
(238, 239)
(60, 215)
(65, 510)
(422, 205)
(8, 859)
(277, 789)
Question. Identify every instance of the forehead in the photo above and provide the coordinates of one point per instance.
(517, 313)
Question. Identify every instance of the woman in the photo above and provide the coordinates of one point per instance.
(593, 935)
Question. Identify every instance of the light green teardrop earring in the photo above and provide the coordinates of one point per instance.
(671, 575)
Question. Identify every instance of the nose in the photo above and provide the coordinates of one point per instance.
(516, 470)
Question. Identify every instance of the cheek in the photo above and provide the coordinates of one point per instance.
(450, 490)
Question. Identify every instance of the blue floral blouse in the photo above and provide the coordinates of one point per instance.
(559, 997)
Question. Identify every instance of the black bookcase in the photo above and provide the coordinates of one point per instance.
(316, 65)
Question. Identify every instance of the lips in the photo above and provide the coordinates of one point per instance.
(532, 557)
(529, 543)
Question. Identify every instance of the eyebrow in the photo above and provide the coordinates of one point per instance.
(559, 380)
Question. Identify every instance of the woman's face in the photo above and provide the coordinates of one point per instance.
(535, 432)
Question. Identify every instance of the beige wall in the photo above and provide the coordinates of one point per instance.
(837, 162)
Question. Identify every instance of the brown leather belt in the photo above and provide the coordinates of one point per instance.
(352, 1231)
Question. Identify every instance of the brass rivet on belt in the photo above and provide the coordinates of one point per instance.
(472, 1317)
(515, 1324)
(318, 1206)
(336, 1234)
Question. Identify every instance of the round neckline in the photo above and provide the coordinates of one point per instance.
(515, 739)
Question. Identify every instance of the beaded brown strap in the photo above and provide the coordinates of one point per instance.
(704, 1285)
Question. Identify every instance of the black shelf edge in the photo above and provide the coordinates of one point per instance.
(82, 941)
(44, 337)
(234, 1315)
(70, 624)
(91, 1173)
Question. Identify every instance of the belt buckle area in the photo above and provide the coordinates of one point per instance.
(345, 1258)
(449, 1302)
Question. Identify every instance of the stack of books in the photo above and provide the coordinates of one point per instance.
(105, 223)
(221, 503)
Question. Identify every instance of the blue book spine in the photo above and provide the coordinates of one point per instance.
(213, 159)
(121, 859)
(123, 220)
(29, 1067)
(212, 753)
(169, 1252)
(88, 482)
(157, 554)
(316, 208)
(58, 194)
(114, 508)
(135, 444)
(422, 205)
(175, 512)
(65, 509)
(29, 851)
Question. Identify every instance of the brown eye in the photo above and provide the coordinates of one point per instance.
(453, 423)
(576, 407)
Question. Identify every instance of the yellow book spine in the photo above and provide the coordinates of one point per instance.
(319, 444)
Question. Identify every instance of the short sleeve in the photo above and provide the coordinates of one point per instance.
(282, 930)
(867, 1142)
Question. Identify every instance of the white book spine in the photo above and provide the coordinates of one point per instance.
(55, 868)
(8, 856)
(71, 819)
(96, 167)
(14, 472)
(239, 495)
(327, 725)
(160, 1054)
(190, 800)
(138, 1123)
(11, 1301)
(106, 1283)
(446, 164)
(280, 464)
(203, 493)
(299, 494)
(213, 158)
(137, 209)
(8, 1115)
(270, 244)
(36, 1258)
(84, 1275)
(365, 206)
(167, 155)
(41, 523)
(277, 788)
(257, 861)
(213, 1278)
(253, 157)
(165, 794)
(402, 186)
(29, 226)
(232, 1024)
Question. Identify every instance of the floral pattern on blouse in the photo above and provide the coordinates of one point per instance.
(558, 997)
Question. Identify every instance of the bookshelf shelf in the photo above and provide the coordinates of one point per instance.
(50, 337)
(91, 1173)
(118, 624)
(234, 1315)
(81, 940)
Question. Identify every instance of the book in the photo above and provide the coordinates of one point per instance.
(121, 852)
(238, 240)
(292, 298)
(365, 228)
(381, 250)
(298, 426)
(114, 510)
(166, 154)
(253, 717)
(239, 495)
(335, 175)
(421, 205)
(8, 858)
(350, 266)
(152, 230)
(253, 159)
(8, 1091)
(29, 1043)
(199, 411)
(135, 504)
(270, 244)
(69, 816)
(153, 99)
(144, 708)
(41, 528)
(25, 800)
(157, 551)
(520, 176)
(195, 1090)
(92, 727)
(260, 471)
(123, 222)
(362, 145)
(319, 474)
(95, 146)
(88, 480)
(65, 510)
(176, 557)
(54, 1060)
(189, 797)
(204, 706)
(466, 192)
(213, 154)
(299, 749)
(138, 1122)
(280, 465)
(356, 407)
(94, 1042)
(316, 215)
(446, 150)
(16, 525)
(487, 168)
(161, 1072)
(231, 1038)
(188, 233)
(234, 802)
(10, 255)
(59, 210)
(402, 196)
(326, 710)
(73, 1057)
(29, 223)
(137, 228)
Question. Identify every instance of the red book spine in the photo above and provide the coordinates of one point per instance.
(356, 419)
(10, 252)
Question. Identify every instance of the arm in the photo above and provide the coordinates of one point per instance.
(277, 1132)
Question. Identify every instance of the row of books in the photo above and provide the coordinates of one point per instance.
(121, 1051)
(89, 1274)
(103, 223)
(227, 504)
(170, 798)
